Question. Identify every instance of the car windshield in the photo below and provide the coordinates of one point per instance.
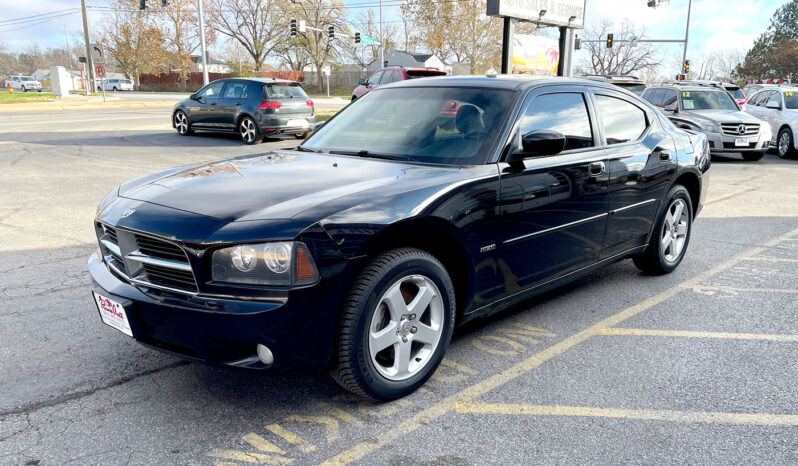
(707, 100)
(736, 92)
(26, 78)
(414, 74)
(417, 124)
(280, 91)
(791, 100)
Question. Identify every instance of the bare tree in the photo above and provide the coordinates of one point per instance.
(368, 26)
(257, 25)
(721, 65)
(182, 35)
(320, 49)
(621, 58)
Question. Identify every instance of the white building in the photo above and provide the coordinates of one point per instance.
(214, 65)
(409, 60)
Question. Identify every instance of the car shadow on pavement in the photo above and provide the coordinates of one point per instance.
(137, 139)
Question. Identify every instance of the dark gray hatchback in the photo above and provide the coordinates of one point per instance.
(253, 107)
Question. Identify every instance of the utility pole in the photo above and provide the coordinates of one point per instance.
(686, 36)
(202, 43)
(382, 47)
(89, 61)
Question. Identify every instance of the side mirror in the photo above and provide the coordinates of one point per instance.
(673, 107)
(539, 143)
(193, 97)
(774, 105)
(361, 82)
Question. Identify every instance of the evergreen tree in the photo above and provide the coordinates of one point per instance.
(774, 52)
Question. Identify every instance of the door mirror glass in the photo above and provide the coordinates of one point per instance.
(361, 82)
(193, 97)
(540, 143)
(674, 107)
(774, 105)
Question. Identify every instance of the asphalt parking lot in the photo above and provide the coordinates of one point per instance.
(694, 367)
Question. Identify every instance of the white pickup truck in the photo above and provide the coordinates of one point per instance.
(23, 83)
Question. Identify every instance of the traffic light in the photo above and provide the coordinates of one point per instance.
(357, 37)
(609, 40)
(164, 3)
(142, 4)
(331, 32)
(293, 27)
(686, 66)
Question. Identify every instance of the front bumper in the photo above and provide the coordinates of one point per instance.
(719, 142)
(226, 331)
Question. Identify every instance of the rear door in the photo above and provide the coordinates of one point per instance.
(773, 116)
(641, 161)
(234, 97)
(553, 209)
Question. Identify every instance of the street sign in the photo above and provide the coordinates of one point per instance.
(97, 53)
(99, 70)
(366, 40)
(570, 13)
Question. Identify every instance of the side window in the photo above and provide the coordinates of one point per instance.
(563, 112)
(621, 120)
(212, 90)
(375, 79)
(234, 89)
(388, 77)
(656, 97)
(763, 98)
(775, 99)
(669, 98)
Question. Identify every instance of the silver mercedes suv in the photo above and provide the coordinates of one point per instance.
(714, 112)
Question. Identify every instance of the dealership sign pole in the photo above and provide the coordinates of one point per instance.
(565, 14)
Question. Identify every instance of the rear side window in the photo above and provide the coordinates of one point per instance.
(375, 79)
(280, 91)
(565, 113)
(388, 77)
(621, 120)
(235, 89)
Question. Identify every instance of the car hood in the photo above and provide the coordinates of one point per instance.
(722, 116)
(284, 184)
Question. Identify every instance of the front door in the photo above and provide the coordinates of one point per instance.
(234, 97)
(553, 209)
(204, 112)
(641, 159)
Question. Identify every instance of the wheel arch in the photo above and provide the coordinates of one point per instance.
(692, 183)
(437, 237)
(241, 116)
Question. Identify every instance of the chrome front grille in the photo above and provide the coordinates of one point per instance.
(146, 260)
(733, 129)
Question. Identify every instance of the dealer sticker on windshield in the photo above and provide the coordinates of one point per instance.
(112, 314)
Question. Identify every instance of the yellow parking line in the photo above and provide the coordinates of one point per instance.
(262, 444)
(691, 334)
(290, 437)
(645, 414)
(771, 259)
(469, 393)
(743, 290)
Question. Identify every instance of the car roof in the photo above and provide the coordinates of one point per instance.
(611, 78)
(509, 82)
(260, 80)
(687, 87)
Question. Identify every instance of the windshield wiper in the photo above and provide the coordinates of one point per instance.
(305, 149)
(365, 153)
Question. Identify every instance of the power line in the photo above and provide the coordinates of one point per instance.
(26, 19)
(36, 22)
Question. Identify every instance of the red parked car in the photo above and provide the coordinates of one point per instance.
(391, 74)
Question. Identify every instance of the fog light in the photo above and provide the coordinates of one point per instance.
(265, 355)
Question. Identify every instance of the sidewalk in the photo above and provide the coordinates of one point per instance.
(76, 102)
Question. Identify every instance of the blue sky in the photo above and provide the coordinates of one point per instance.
(715, 25)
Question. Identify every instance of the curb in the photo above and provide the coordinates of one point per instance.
(81, 106)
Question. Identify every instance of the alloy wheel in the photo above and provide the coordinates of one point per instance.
(784, 144)
(181, 123)
(247, 130)
(406, 327)
(674, 230)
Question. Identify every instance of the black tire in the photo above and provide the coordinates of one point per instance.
(301, 135)
(249, 131)
(752, 156)
(181, 129)
(23, 89)
(353, 366)
(354, 98)
(653, 260)
(99, 89)
(789, 151)
(114, 89)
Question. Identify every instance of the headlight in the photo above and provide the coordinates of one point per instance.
(710, 127)
(276, 263)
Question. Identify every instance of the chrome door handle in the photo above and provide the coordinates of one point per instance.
(596, 168)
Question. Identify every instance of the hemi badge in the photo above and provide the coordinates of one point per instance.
(487, 248)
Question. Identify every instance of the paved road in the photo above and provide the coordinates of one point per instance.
(694, 367)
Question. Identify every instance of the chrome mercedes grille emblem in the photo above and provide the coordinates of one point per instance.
(742, 129)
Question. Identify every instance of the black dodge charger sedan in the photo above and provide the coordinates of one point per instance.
(359, 250)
